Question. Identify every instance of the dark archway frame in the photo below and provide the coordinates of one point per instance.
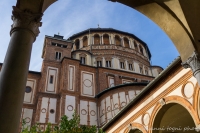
(173, 16)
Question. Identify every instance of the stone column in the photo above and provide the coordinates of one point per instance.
(122, 42)
(81, 43)
(130, 45)
(110, 41)
(193, 62)
(102, 39)
(14, 72)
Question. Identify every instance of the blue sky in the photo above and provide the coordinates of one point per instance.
(72, 16)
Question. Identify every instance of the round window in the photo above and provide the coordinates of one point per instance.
(28, 89)
(52, 111)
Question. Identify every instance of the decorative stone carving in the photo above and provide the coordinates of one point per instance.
(193, 62)
(26, 20)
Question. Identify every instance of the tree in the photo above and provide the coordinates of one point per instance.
(65, 126)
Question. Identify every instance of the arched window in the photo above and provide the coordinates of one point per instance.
(106, 39)
(85, 41)
(126, 43)
(135, 45)
(141, 50)
(77, 44)
(117, 41)
(96, 39)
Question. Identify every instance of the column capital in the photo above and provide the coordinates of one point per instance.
(193, 62)
(26, 20)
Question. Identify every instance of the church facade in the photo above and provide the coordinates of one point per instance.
(96, 72)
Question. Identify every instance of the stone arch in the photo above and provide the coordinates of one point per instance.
(126, 42)
(170, 17)
(97, 39)
(85, 41)
(117, 40)
(77, 44)
(137, 126)
(135, 45)
(141, 50)
(106, 39)
(170, 101)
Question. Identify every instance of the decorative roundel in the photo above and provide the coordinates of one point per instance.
(145, 119)
(93, 113)
(43, 110)
(116, 106)
(52, 111)
(70, 107)
(28, 89)
(27, 119)
(123, 104)
(83, 112)
(87, 83)
(108, 108)
(188, 90)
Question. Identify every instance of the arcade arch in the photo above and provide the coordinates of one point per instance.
(135, 131)
(173, 117)
(77, 44)
(85, 41)
(126, 43)
(106, 39)
(117, 40)
(97, 39)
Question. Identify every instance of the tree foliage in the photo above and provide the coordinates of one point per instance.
(65, 126)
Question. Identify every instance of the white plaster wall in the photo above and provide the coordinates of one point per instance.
(88, 60)
(108, 108)
(150, 72)
(155, 72)
(111, 81)
(51, 88)
(93, 113)
(115, 63)
(127, 98)
(27, 116)
(115, 101)
(94, 63)
(126, 65)
(69, 106)
(88, 83)
(104, 62)
(43, 109)
(52, 105)
(131, 94)
(28, 97)
(136, 67)
(83, 112)
(102, 111)
(122, 99)
(71, 78)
